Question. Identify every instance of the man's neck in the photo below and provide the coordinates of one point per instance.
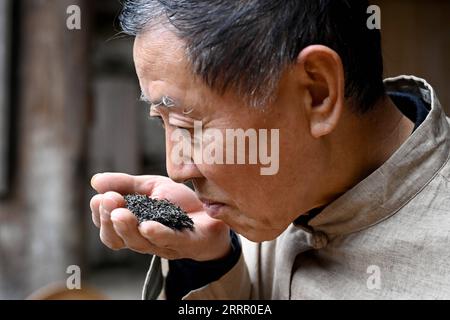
(364, 143)
(386, 130)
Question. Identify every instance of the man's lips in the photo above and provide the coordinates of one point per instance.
(212, 208)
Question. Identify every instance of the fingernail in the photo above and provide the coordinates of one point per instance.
(95, 177)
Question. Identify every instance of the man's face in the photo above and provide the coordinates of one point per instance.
(260, 207)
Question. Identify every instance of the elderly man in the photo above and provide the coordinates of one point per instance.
(359, 204)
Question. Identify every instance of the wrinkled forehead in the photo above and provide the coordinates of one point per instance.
(161, 65)
(163, 69)
(158, 50)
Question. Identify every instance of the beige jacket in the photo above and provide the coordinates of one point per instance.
(386, 238)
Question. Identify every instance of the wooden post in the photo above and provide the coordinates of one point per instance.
(53, 114)
(4, 93)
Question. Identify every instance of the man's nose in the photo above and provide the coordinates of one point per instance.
(180, 166)
(182, 172)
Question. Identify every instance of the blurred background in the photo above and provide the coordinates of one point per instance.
(69, 109)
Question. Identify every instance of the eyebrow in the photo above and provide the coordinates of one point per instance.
(164, 101)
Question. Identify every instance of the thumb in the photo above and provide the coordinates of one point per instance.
(123, 183)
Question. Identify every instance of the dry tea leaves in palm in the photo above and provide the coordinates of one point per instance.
(162, 211)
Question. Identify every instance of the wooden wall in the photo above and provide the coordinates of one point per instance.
(416, 40)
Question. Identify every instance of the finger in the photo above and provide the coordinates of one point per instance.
(107, 233)
(126, 226)
(123, 183)
(95, 204)
(162, 236)
(115, 200)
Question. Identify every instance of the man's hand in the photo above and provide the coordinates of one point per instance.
(119, 227)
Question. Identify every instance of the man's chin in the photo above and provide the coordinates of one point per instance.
(257, 235)
(250, 229)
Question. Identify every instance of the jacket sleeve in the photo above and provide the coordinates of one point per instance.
(185, 275)
(235, 284)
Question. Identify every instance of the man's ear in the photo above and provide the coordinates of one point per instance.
(322, 78)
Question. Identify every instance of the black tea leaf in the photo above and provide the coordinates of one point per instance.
(162, 211)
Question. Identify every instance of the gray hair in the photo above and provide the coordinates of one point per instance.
(245, 45)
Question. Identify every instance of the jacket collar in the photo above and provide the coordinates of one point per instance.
(399, 179)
